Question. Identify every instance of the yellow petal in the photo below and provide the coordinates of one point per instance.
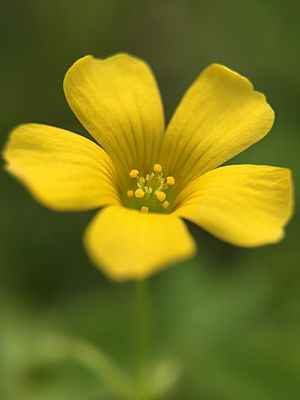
(128, 244)
(246, 205)
(118, 102)
(219, 116)
(64, 171)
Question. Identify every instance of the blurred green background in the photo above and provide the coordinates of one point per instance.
(230, 316)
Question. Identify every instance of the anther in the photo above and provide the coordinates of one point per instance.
(157, 168)
(166, 204)
(170, 181)
(139, 193)
(161, 196)
(144, 209)
(129, 193)
(133, 173)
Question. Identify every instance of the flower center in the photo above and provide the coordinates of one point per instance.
(150, 193)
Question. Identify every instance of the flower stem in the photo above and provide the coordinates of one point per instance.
(141, 334)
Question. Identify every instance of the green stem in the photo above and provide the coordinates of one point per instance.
(141, 334)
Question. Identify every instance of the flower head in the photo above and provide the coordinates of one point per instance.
(146, 179)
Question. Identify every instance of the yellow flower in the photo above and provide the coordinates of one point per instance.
(148, 180)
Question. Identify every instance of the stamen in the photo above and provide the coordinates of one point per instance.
(165, 204)
(161, 196)
(130, 193)
(150, 191)
(133, 173)
(170, 181)
(157, 168)
(139, 193)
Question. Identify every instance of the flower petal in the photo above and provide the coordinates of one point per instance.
(219, 116)
(63, 170)
(118, 102)
(128, 244)
(246, 205)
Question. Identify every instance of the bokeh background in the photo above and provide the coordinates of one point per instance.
(229, 316)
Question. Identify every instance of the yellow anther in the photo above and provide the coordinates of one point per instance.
(170, 180)
(139, 193)
(157, 168)
(129, 193)
(133, 173)
(166, 204)
(144, 209)
(161, 196)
